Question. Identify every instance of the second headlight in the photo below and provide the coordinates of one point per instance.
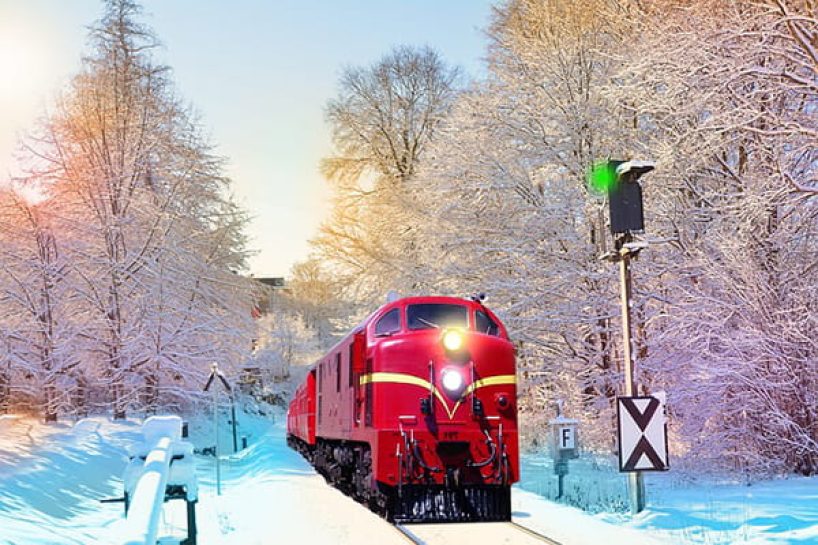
(452, 380)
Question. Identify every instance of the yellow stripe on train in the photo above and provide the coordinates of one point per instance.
(404, 378)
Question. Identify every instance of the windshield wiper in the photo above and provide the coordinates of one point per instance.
(427, 322)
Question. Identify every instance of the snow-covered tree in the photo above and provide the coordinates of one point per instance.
(314, 297)
(39, 318)
(382, 122)
(155, 242)
(727, 96)
(284, 341)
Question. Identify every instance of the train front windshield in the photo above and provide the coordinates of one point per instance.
(437, 315)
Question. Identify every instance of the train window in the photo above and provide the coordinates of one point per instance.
(338, 372)
(389, 323)
(484, 324)
(438, 315)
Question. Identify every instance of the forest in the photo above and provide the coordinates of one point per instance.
(123, 259)
(122, 252)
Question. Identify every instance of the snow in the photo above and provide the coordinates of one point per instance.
(182, 467)
(162, 459)
(772, 512)
(681, 508)
(157, 427)
(628, 166)
(51, 478)
(148, 495)
(571, 526)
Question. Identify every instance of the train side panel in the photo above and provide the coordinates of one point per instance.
(301, 411)
(339, 393)
(306, 424)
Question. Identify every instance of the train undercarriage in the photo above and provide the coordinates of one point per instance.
(348, 467)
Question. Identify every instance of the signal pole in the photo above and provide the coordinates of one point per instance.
(636, 481)
(619, 179)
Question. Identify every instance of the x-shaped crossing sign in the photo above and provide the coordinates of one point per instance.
(642, 434)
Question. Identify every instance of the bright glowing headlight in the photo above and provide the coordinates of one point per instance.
(452, 380)
(453, 340)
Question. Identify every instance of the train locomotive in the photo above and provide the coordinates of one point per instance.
(413, 413)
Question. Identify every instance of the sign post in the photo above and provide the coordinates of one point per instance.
(214, 372)
(564, 445)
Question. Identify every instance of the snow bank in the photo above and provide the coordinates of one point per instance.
(571, 526)
(53, 476)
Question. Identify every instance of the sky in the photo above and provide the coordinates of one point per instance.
(257, 72)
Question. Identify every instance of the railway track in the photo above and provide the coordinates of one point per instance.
(510, 533)
(533, 533)
(409, 535)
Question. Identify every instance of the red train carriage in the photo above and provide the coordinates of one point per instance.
(414, 412)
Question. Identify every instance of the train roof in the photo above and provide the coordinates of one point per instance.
(402, 302)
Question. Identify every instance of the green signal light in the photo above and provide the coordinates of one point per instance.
(602, 177)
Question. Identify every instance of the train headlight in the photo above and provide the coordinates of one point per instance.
(452, 381)
(453, 340)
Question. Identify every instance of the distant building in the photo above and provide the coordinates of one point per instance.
(271, 284)
(275, 282)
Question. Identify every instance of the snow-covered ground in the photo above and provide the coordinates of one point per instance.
(684, 508)
(51, 478)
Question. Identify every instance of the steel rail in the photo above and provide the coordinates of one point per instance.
(408, 534)
(533, 533)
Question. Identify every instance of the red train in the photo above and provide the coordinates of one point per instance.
(414, 412)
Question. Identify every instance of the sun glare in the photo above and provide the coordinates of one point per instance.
(27, 58)
(22, 64)
(32, 195)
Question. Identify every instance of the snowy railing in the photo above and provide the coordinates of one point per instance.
(166, 471)
(149, 496)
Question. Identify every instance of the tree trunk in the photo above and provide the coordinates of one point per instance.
(4, 392)
(151, 392)
(49, 402)
(79, 396)
(117, 385)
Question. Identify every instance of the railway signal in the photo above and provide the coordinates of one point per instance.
(619, 181)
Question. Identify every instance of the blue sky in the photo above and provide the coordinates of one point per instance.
(258, 73)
